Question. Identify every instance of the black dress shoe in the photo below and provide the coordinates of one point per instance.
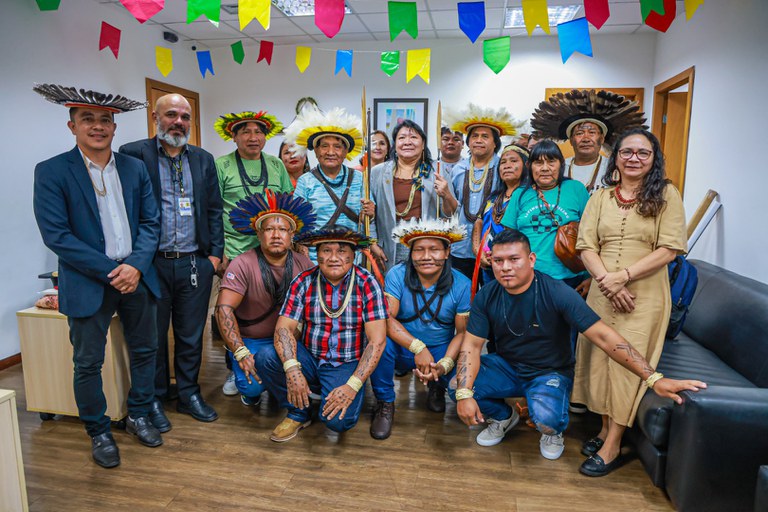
(196, 407)
(435, 397)
(158, 418)
(144, 431)
(591, 446)
(104, 450)
(596, 466)
(383, 417)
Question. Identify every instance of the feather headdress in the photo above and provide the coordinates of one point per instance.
(449, 230)
(225, 125)
(556, 117)
(253, 210)
(498, 120)
(312, 124)
(334, 233)
(73, 97)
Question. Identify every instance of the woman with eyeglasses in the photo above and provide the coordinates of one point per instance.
(629, 232)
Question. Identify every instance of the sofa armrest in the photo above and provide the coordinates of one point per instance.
(718, 440)
(761, 495)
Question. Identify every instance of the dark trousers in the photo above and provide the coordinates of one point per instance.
(186, 307)
(89, 337)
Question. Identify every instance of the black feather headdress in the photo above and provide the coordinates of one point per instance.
(73, 97)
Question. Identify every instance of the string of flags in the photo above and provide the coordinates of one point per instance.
(573, 35)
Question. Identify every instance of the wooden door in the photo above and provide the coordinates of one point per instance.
(674, 132)
(157, 89)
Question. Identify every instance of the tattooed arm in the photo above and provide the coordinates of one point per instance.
(466, 371)
(620, 350)
(285, 346)
(226, 304)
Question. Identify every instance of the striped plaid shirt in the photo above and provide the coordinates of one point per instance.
(339, 340)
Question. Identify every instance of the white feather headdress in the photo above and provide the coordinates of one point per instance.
(499, 120)
(409, 231)
(311, 125)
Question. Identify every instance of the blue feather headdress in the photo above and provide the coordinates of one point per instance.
(335, 233)
(253, 210)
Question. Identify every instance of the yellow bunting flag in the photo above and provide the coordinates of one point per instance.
(164, 59)
(303, 56)
(247, 10)
(418, 64)
(691, 6)
(535, 13)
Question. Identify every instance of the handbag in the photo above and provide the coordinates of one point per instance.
(565, 247)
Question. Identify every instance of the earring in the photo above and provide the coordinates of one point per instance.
(616, 176)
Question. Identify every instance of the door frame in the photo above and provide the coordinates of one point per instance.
(172, 89)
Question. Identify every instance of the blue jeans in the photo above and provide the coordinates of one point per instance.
(400, 358)
(254, 389)
(321, 379)
(547, 394)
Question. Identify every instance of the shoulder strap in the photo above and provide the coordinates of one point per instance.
(341, 203)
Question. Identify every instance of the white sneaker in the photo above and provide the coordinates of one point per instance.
(496, 430)
(229, 388)
(552, 446)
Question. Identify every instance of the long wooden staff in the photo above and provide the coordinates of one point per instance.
(439, 124)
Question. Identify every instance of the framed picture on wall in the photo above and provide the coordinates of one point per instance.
(388, 112)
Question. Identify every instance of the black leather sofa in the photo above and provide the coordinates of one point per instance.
(706, 453)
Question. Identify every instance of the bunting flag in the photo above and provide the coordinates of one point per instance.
(142, 10)
(496, 53)
(238, 52)
(247, 10)
(690, 8)
(343, 61)
(109, 38)
(597, 12)
(329, 14)
(204, 62)
(402, 16)
(535, 13)
(265, 51)
(648, 6)
(48, 5)
(417, 64)
(574, 37)
(662, 22)
(211, 9)
(164, 59)
(303, 56)
(472, 19)
(390, 62)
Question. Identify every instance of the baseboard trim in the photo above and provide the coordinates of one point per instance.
(10, 361)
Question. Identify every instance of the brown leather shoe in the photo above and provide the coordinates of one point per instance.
(383, 417)
(287, 430)
(435, 397)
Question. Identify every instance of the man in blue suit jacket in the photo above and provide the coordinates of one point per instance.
(96, 212)
(186, 188)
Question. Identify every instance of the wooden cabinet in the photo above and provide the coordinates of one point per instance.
(46, 354)
(13, 489)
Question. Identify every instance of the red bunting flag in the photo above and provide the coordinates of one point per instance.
(142, 10)
(265, 51)
(661, 22)
(596, 12)
(329, 14)
(110, 37)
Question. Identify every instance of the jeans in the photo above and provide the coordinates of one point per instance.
(254, 389)
(321, 379)
(547, 394)
(400, 358)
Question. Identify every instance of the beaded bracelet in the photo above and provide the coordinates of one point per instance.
(355, 383)
(447, 363)
(241, 353)
(463, 393)
(290, 363)
(653, 378)
(629, 276)
(417, 346)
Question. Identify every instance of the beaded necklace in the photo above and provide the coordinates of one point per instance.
(472, 217)
(417, 183)
(247, 180)
(498, 205)
(624, 204)
(329, 312)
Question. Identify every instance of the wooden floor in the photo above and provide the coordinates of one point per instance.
(431, 462)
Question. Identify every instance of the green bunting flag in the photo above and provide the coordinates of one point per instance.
(211, 9)
(496, 53)
(390, 62)
(646, 6)
(238, 53)
(48, 5)
(402, 16)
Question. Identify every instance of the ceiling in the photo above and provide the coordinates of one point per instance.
(368, 21)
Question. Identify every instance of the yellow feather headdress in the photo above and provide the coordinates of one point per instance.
(311, 125)
(498, 120)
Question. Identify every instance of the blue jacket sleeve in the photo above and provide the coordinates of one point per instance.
(145, 245)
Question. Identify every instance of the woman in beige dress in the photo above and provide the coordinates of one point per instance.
(628, 234)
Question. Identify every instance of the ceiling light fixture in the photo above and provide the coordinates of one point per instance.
(558, 14)
(300, 7)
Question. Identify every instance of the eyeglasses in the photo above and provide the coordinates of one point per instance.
(641, 154)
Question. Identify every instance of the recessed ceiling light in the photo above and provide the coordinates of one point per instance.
(300, 7)
(558, 14)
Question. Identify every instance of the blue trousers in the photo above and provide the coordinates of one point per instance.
(400, 358)
(547, 394)
(322, 379)
(254, 389)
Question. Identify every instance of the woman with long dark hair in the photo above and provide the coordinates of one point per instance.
(629, 232)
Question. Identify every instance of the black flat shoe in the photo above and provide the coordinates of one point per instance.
(158, 418)
(144, 431)
(104, 450)
(591, 446)
(596, 466)
(196, 407)
(435, 397)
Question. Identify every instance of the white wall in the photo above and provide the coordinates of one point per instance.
(726, 41)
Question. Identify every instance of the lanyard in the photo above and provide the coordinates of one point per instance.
(176, 167)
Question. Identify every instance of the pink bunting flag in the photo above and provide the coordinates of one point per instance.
(662, 22)
(142, 10)
(110, 37)
(596, 12)
(328, 16)
(265, 52)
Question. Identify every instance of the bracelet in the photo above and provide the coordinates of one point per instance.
(629, 276)
(355, 383)
(463, 393)
(447, 363)
(290, 364)
(241, 353)
(417, 346)
(653, 378)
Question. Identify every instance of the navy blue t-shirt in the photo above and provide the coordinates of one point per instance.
(532, 330)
